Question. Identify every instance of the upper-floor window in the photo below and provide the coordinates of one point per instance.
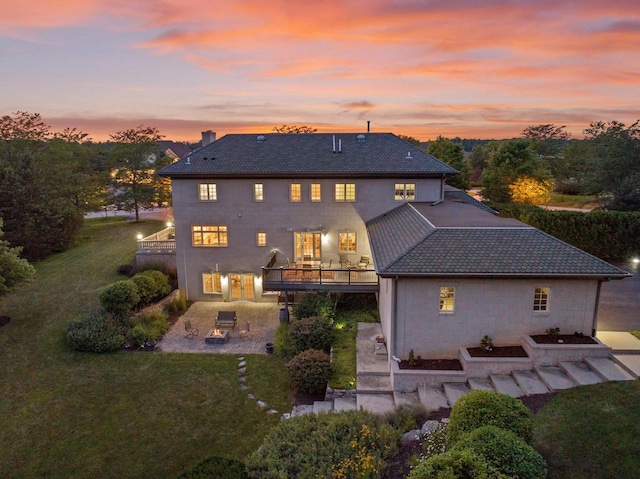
(207, 192)
(541, 299)
(447, 299)
(316, 194)
(258, 192)
(209, 235)
(261, 238)
(345, 192)
(405, 191)
(347, 242)
(211, 283)
(295, 192)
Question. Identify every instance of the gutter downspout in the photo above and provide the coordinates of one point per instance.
(595, 309)
(394, 317)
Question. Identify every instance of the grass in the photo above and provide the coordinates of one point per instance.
(636, 334)
(572, 201)
(591, 431)
(125, 414)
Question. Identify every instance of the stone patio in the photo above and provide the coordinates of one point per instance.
(264, 319)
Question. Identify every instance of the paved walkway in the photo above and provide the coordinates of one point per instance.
(263, 317)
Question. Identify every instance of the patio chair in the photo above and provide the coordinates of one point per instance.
(364, 262)
(191, 330)
(226, 318)
(244, 334)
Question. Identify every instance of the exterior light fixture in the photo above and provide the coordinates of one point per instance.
(139, 236)
(635, 260)
(169, 224)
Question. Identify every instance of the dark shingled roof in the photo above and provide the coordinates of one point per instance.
(459, 195)
(309, 155)
(520, 251)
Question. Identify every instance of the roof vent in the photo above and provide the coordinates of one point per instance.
(361, 137)
(409, 157)
(260, 138)
(188, 160)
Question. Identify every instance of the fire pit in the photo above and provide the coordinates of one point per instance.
(217, 336)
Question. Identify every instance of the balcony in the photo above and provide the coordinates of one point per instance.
(162, 242)
(315, 277)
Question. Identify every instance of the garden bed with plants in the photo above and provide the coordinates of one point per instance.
(547, 350)
(563, 339)
(432, 364)
(498, 352)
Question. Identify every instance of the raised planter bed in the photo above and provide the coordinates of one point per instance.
(502, 360)
(554, 353)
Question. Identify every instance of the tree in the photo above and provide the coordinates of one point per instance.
(411, 140)
(294, 129)
(134, 175)
(13, 269)
(453, 155)
(511, 161)
(615, 164)
(546, 140)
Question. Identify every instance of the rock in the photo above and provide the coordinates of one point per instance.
(242, 364)
(410, 437)
(262, 404)
(286, 415)
(428, 427)
(242, 370)
(251, 396)
(271, 411)
(242, 379)
(241, 358)
(244, 387)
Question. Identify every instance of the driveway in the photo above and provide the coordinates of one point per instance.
(620, 301)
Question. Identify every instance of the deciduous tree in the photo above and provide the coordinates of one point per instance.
(294, 129)
(453, 155)
(13, 269)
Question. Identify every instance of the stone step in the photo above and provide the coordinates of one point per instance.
(322, 406)
(345, 404)
(373, 384)
(483, 384)
(630, 362)
(302, 409)
(529, 382)
(580, 373)
(504, 383)
(376, 403)
(432, 398)
(554, 378)
(454, 391)
(608, 369)
(405, 397)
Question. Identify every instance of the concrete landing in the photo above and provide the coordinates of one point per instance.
(302, 409)
(432, 398)
(554, 378)
(505, 384)
(631, 362)
(454, 391)
(368, 383)
(620, 341)
(483, 384)
(529, 382)
(376, 403)
(608, 369)
(580, 373)
(405, 397)
(345, 404)
(322, 406)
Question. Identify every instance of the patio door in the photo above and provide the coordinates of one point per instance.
(308, 246)
(242, 286)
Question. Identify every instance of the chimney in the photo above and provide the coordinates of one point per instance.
(208, 137)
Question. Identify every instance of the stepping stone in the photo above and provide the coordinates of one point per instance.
(242, 370)
(241, 358)
(322, 406)
(580, 372)
(505, 384)
(261, 404)
(455, 391)
(530, 382)
(631, 362)
(433, 398)
(242, 364)
(244, 387)
(242, 379)
(554, 378)
(608, 369)
(376, 403)
(302, 409)
(285, 415)
(271, 411)
(344, 404)
(483, 384)
(251, 396)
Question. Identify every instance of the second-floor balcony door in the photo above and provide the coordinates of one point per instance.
(308, 246)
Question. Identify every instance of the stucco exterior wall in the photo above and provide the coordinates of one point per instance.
(502, 309)
(385, 307)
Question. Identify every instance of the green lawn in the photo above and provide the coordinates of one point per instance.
(572, 201)
(591, 432)
(127, 414)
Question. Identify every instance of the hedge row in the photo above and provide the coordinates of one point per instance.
(605, 234)
(121, 297)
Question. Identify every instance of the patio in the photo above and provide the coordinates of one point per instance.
(264, 319)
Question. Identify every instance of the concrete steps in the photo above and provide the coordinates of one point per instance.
(609, 370)
(530, 382)
(505, 384)
(555, 378)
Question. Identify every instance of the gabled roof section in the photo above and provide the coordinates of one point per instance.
(309, 155)
(510, 250)
(180, 149)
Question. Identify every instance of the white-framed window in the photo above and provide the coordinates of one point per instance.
(214, 236)
(258, 192)
(345, 192)
(541, 300)
(316, 192)
(405, 192)
(447, 299)
(347, 241)
(261, 238)
(211, 283)
(207, 192)
(295, 192)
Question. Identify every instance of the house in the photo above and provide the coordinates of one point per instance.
(258, 215)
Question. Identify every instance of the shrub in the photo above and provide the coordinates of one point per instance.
(309, 371)
(146, 288)
(161, 280)
(217, 467)
(282, 344)
(126, 269)
(407, 416)
(435, 442)
(149, 327)
(505, 452)
(314, 305)
(97, 332)
(311, 333)
(454, 465)
(339, 445)
(483, 408)
(120, 298)
(176, 304)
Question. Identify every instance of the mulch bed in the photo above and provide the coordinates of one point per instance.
(433, 364)
(565, 338)
(498, 352)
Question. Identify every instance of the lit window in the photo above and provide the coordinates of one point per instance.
(541, 299)
(405, 191)
(447, 299)
(208, 192)
(345, 192)
(295, 194)
(347, 242)
(261, 238)
(258, 192)
(209, 235)
(316, 192)
(211, 283)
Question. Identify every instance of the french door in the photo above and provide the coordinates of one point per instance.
(242, 286)
(307, 246)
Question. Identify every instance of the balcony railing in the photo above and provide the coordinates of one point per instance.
(161, 242)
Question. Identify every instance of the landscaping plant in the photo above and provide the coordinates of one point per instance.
(315, 332)
(314, 305)
(96, 332)
(309, 371)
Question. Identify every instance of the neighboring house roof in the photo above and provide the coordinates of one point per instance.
(179, 150)
(511, 249)
(315, 155)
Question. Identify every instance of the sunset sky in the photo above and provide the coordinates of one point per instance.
(468, 68)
